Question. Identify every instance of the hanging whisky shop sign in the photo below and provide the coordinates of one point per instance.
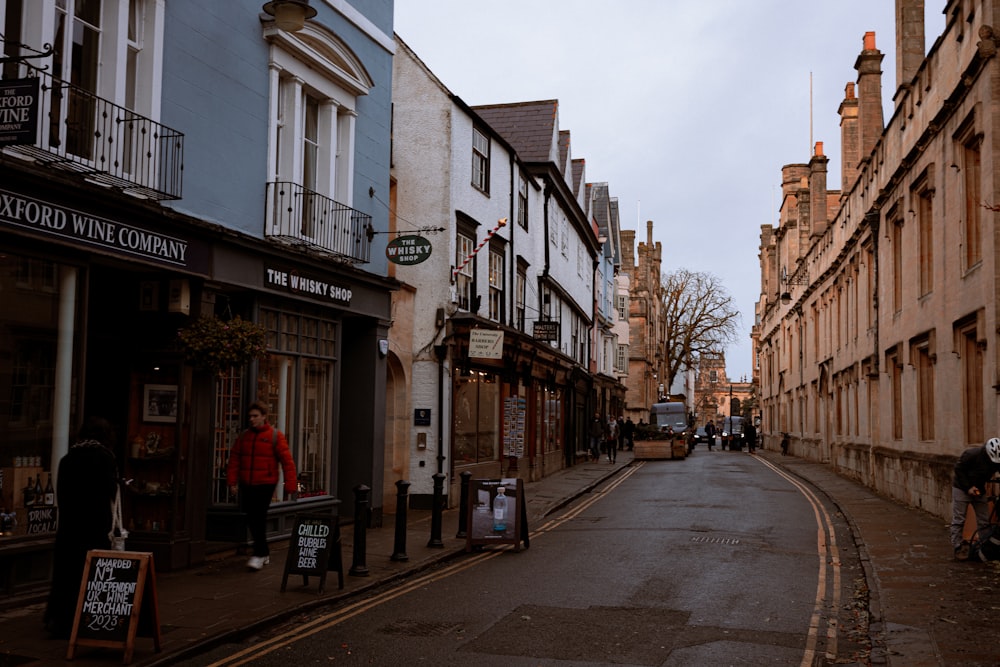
(408, 250)
(18, 111)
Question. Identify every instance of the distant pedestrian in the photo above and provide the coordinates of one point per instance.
(621, 434)
(710, 434)
(784, 444)
(750, 437)
(974, 468)
(629, 433)
(596, 437)
(611, 439)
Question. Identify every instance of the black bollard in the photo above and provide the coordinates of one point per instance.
(436, 511)
(358, 567)
(463, 508)
(399, 548)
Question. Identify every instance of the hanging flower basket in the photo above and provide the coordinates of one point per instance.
(216, 345)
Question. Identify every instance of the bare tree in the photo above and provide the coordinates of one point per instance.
(699, 317)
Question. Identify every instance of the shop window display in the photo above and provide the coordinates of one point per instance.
(28, 354)
(477, 414)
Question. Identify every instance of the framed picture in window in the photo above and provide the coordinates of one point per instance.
(159, 403)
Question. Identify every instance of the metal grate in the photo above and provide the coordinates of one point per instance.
(413, 628)
(716, 540)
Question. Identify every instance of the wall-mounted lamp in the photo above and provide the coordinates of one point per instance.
(786, 280)
(290, 15)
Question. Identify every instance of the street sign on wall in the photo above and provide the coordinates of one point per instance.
(18, 111)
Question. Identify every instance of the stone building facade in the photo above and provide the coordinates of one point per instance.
(642, 264)
(877, 320)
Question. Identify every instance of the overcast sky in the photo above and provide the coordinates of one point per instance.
(688, 110)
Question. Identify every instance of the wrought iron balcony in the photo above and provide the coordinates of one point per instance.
(107, 144)
(299, 216)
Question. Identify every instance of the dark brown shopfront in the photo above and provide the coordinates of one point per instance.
(89, 326)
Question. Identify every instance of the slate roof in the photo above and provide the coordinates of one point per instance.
(529, 127)
(600, 211)
(579, 166)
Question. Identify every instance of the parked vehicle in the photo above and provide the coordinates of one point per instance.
(732, 432)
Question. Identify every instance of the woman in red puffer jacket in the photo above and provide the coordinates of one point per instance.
(252, 474)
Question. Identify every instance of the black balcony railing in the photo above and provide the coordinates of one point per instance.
(297, 215)
(109, 145)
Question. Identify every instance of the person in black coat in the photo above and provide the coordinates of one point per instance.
(710, 434)
(629, 430)
(85, 490)
(974, 468)
(750, 436)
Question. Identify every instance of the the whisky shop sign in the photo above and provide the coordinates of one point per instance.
(408, 250)
(18, 111)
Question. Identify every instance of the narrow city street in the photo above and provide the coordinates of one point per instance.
(719, 559)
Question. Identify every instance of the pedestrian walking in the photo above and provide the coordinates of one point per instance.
(629, 433)
(710, 433)
(784, 444)
(252, 474)
(611, 439)
(750, 436)
(596, 437)
(621, 433)
(974, 468)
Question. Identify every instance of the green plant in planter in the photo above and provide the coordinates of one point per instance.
(215, 345)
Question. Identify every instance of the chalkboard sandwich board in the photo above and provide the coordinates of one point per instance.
(497, 513)
(313, 548)
(117, 594)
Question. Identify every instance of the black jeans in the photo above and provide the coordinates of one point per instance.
(255, 500)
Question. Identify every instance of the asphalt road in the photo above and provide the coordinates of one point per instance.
(719, 559)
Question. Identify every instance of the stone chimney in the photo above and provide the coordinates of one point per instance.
(817, 191)
(869, 67)
(850, 147)
(649, 233)
(909, 43)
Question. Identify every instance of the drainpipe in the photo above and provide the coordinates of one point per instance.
(441, 351)
(512, 216)
(873, 220)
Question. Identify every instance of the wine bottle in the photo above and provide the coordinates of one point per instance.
(50, 493)
(29, 493)
(39, 493)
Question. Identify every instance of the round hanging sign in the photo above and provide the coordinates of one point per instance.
(408, 250)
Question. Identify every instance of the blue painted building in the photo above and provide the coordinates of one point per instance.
(167, 162)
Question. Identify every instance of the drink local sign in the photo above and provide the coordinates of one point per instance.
(408, 250)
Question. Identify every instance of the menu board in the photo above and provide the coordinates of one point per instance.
(314, 545)
(118, 591)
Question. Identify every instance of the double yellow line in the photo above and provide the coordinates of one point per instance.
(829, 571)
(349, 611)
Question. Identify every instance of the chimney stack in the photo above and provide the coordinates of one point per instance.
(817, 191)
(850, 147)
(869, 67)
(909, 42)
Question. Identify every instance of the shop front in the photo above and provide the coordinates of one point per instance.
(515, 410)
(95, 290)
